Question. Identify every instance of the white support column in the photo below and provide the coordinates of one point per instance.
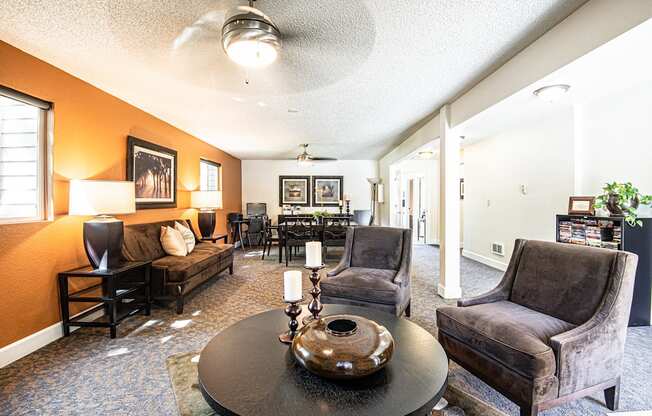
(449, 209)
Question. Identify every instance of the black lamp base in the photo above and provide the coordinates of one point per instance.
(206, 221)
(103, 239)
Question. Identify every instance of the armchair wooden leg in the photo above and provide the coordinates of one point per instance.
(612, 396)
(532, 410)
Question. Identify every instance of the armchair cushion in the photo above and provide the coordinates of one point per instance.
(363, 284)
(562, 280)
(509, 333)
(377, 247)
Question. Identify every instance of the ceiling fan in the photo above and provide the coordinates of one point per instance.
(306, 159)
(249, 37)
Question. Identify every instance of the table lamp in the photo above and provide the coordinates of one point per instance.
(206, 202)
(104, 234)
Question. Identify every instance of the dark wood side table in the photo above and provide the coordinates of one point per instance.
(216, 237)
(117, 285)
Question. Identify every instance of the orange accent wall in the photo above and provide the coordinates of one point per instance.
(90, 141)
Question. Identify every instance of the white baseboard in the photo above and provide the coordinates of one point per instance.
(485, 260)
(29, 344)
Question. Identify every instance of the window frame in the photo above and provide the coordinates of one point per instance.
(44, 165)
(218, 166)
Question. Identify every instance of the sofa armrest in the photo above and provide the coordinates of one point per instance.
(592, 353)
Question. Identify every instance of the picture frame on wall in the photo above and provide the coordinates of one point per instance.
(327, 191)
(581, 205)
(153, 169)
(294, 190)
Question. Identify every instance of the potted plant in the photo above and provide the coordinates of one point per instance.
(319, 215)
(622, 200)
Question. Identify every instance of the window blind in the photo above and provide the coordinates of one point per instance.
(20, 186)
(209, 175)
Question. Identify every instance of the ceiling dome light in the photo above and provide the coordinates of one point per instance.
(552, 93)
(250, 39)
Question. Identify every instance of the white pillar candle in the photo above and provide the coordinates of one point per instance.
(313, 254)
(292, 285)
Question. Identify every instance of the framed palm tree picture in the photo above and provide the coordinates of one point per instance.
(153, 169)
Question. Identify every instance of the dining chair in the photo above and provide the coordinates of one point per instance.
(296, 233)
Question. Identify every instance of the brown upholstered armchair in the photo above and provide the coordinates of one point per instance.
(552, 331)
(374, 270)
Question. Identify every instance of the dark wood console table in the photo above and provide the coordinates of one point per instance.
(117, 285)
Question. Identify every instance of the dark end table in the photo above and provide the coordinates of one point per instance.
(117, 285)
(215, 238)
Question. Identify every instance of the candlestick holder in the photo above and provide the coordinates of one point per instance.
(315, 305)
(292, 310)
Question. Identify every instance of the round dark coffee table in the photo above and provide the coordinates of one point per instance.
(246, 371)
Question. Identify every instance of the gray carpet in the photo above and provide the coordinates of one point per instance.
(88, 373)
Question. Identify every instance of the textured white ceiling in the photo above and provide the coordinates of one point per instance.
(360, 73)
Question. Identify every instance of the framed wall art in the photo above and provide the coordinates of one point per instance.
(327, 191)
(153, 169)
(581, 205)
(294, 190)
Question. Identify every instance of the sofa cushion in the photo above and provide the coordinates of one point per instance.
(377, 247)
(562, 280)
(511, 334)
(363, 284)
(202, 257)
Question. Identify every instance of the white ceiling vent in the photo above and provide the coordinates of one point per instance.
(498, 249)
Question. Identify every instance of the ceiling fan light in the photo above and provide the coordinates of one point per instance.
(252, 53)
(304, 163)
(250, 39)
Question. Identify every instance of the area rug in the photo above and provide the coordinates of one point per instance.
(182, 369)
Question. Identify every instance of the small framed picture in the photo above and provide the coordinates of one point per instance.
(581, 205)
(327, 190)
(294, 190)
(462, 188)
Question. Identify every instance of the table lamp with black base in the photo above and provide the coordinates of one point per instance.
(104, 234)
(206, 202)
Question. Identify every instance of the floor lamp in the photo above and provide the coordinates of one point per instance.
(377, 196)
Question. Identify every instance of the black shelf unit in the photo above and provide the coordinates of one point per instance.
(637, 240)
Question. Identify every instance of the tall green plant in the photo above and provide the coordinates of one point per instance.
(626, 196)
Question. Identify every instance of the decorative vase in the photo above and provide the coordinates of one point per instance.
(616, 207)
(343, 347)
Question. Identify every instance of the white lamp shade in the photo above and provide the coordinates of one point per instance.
(97, 197)
(206, 199)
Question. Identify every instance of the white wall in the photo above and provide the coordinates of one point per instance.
(538, 155)
(260, 180)
(614, 135)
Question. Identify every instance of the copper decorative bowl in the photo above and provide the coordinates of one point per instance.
(343, 347)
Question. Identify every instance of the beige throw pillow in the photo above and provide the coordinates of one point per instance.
(187, 234)
(172, 242)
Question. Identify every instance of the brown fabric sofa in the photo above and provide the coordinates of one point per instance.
(374, 270)
(172, 276)
(552, 331)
